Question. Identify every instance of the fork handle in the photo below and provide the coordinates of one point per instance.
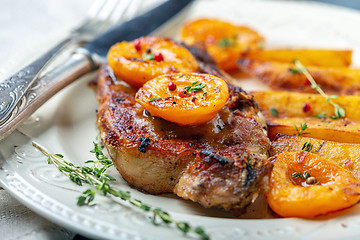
(45, 87)
(15, 87)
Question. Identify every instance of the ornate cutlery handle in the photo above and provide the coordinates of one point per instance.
(14, 88)
(45, 87)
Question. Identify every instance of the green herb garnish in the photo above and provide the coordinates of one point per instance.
(321, 115)
(194, 87)
(338, 110)
(274, 112)
(306, 174)
(306, 177)
(96, 177)
(226, 42)
(300, 131)
(297, 70)
(150, 56)
(298, 175)
(307, 146)
(153, 99)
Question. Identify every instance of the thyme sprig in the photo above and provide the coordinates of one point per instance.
(298, 175)
(194, 87)
(300, 131)
(97, 177)
(338, 110)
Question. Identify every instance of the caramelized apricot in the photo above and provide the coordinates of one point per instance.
(292, 194)
(138, 61)
(224, 41)
(185, 99)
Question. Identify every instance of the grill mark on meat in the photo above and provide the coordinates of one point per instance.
(144, 142)
(212, 155)
(225, 167)
(250, 174)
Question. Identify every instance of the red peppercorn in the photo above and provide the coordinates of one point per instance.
(172, 86)
(137, 44)
(306, 107)
(158, 57)
(182, 93)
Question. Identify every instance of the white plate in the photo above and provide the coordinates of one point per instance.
(66, 124)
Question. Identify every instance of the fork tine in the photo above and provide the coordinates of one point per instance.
(99, 20)
(119, 12)
(91, 16)
(108, 9)
(95, 8)
(132, 10)
(105, 13)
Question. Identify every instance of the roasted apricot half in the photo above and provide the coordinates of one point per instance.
(224, 41)
(306, 185)
(140, 60)
(185, 99)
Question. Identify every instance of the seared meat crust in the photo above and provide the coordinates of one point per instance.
(222, 163)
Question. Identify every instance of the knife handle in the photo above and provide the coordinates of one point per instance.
(80, 63)
(14, 88)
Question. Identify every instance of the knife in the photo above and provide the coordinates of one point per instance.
(85, 60)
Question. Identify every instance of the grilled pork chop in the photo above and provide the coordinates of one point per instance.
(222, 163)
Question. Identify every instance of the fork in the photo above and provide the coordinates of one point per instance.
(101, 16)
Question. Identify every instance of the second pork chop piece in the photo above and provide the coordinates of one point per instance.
(222, 163)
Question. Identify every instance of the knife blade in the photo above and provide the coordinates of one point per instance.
(87, 59)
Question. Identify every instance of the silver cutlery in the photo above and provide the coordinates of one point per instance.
(82, 61)
(102, 15)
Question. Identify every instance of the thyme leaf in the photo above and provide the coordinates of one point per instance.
(153, 99)
(306, 174)
(274, 112)
(338, 110)
(298, 175)
(300, 131)
(307, 146)
(226, 42)
(305, 177)
(99, 180)
(150, 56)
(321, 115)
(194, 87)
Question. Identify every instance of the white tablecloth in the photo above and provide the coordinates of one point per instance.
(18, 222)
